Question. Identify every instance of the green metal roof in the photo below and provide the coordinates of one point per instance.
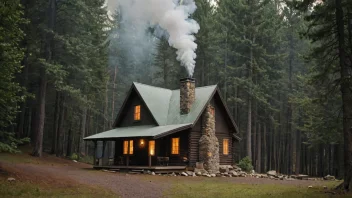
(139, 131)
(164, 104)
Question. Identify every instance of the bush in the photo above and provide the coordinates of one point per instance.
(74, 156)
(246, 164)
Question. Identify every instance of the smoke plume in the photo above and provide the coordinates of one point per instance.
(173, 17)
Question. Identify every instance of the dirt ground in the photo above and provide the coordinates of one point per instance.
(66, 172)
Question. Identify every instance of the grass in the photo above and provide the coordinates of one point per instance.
(227, 189)
(27, 189)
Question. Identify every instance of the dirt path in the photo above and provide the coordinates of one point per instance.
(124, 185)
(66, 172)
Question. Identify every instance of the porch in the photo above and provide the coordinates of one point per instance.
(156, 169)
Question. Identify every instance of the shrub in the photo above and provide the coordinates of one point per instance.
(74, 156)
(246, 164)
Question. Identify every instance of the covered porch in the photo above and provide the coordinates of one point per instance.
(157, 148)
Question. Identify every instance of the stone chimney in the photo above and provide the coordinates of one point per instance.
(187, 94)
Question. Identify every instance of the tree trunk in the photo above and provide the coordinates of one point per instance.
(60, 130)
(69, 142)
(113, 98)
(259, 149)
(56, 123)
(37, 150)
(81, 151)
(249, 110)
(346, 97)
(265, 151)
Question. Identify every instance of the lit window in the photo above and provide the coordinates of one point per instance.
(152, 147)
(225, 146)
(125, 147)
(128, 147)
(131, 147)
(175, 146)
(137, 112)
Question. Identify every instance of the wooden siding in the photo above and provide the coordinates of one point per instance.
(163, 148)
(127, 114)
(222, 131)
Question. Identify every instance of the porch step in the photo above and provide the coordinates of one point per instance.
(137, 170)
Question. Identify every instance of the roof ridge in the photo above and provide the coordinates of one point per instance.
(199, 87)
(152, 86)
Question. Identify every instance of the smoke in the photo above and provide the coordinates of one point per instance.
(173, 17)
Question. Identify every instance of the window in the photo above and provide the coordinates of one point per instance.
(125, 147)
(175, 146)
(131, 147)
(152, 147)
(128, 147)
(225, 146)
(137, 112)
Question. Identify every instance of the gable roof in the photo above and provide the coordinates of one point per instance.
(164, 104)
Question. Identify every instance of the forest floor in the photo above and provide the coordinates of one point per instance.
(56, 177)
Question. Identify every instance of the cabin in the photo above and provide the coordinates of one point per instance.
(162, 129)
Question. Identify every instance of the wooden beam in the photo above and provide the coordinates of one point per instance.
(95, 153)
(150, 160)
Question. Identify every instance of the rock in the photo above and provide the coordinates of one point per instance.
(11, 179)
(189, 173)
(252, 171)
(329, 177)
(236, 168)
(271, 177)
(290, 179)
(218, 175)
(153, 173)
(199, 173)
(271, 173)
(213, 175)
(234, 173)
(223, 169)
(74, 161)
(194, 174)
(325, 187)
(310, 186)
(184, 174)
(208, 175)
(172, 174)
(225, 174)
(200, 170)
(264, 176)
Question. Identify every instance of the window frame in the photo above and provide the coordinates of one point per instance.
(227, 146)
(137, 115)
(129, 150)
(178, 146)
(149, 147)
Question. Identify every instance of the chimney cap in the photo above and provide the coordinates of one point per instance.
(187, 79)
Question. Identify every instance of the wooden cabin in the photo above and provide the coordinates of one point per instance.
(159, 128)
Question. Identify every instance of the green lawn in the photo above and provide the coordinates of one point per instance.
(218, 189)
(27, 189)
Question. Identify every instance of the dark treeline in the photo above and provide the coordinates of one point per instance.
(284, 69)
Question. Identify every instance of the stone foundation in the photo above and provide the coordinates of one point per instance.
(208, 142)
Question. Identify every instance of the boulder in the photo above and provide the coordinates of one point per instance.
(213, 175)
(200, 170)
(329, 177)
(223, 169)
(199, 173)
(189, 173)
(234, 173)
(153, 173)
(11, 179)
(271, 173)
(236, 168)
(252, 171)
(184, 174)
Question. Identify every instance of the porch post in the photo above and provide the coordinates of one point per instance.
(149, 160)
(102, 154)
(127, 159)
(95, 153)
